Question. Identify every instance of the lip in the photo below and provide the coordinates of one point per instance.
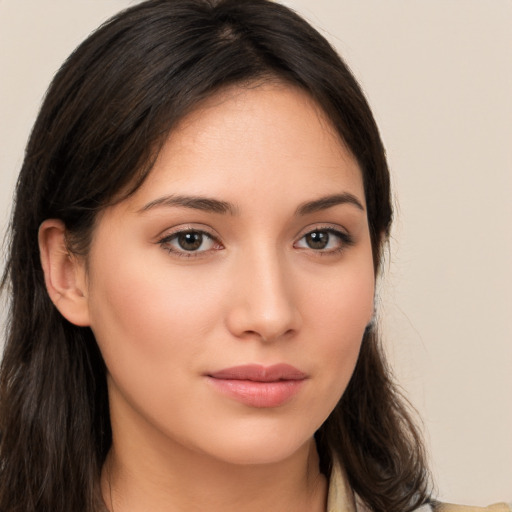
(257, 385)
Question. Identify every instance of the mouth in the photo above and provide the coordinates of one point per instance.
(259, 386)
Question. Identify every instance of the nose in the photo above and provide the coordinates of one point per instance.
(264, 302)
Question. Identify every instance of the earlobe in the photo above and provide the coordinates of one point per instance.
(64, 273)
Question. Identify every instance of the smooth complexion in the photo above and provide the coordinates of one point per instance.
(246, 250)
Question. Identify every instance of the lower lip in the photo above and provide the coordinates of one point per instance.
(258, 394)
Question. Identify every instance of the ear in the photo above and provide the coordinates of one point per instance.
(64, 273)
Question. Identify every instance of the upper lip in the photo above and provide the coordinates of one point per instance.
(260, 373)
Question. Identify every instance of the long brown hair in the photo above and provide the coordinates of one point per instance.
(105, 115)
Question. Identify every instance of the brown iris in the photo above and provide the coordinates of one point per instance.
(190, 240)
(317, 239)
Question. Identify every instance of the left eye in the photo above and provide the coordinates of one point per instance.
(188, 241)
(323, 240)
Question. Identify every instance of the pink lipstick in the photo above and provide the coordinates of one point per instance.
(259, 386)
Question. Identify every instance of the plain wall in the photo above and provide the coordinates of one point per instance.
(438, 75)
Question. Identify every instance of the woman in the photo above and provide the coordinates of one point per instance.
(197, 230)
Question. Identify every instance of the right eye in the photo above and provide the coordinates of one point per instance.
(189, 242)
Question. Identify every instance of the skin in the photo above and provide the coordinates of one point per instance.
(255, 291)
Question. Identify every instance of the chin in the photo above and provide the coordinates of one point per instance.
(263, 449)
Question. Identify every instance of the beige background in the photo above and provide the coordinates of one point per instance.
(438, 74)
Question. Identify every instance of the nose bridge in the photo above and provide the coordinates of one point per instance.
(265, 303)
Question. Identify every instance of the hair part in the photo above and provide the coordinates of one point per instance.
(103, 121)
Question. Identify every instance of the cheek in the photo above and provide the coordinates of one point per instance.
(338, 319)
(144, 312)
(344, 304)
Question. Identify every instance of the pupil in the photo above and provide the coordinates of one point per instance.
(317, 239)
(190, 241)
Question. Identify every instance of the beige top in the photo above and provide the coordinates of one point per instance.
(342, 499)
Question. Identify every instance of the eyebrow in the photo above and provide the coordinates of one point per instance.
(209, 204)
(328, 202)
(206, 204)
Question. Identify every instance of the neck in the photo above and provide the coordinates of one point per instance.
(183, 481)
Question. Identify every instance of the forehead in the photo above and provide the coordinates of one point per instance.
(247, 141)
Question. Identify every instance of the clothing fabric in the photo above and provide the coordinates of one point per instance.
(341, 498)
(497, 507)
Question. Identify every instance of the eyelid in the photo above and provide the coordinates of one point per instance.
(322, 226)
(180, 228)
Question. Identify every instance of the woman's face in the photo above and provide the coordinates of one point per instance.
(230, 293)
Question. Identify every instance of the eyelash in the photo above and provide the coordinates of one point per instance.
(345, 240)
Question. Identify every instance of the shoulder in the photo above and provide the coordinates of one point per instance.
(341, 498)
(448, 507)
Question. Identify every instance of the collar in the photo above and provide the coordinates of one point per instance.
(340, 497)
